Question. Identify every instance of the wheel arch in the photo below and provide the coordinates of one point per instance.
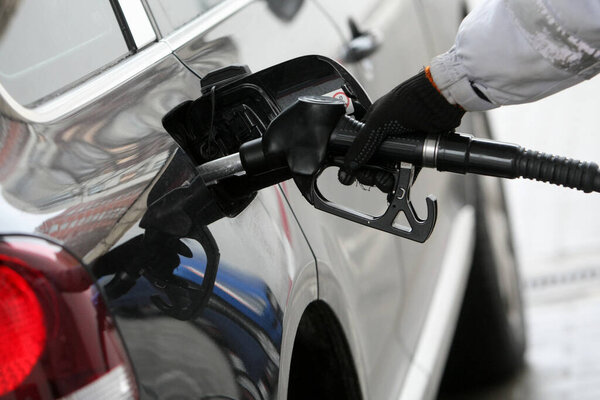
(303, 292)
(320, 340)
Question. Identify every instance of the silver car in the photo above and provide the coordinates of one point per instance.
(123, 276)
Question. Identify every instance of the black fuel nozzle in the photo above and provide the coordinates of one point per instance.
(460, 153)
(297, 139)
(313, 133)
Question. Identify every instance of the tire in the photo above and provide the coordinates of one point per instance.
(489, 342)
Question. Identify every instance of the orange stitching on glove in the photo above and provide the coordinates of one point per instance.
(430, 78)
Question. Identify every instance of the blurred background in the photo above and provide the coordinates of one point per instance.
(554, 225)
(557, 237)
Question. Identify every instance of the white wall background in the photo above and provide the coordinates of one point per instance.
(552, 224)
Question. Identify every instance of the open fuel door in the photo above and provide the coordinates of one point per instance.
(237, 106)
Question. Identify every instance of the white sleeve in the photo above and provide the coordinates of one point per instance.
(518, 51)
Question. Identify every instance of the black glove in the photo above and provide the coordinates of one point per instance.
(414, 105)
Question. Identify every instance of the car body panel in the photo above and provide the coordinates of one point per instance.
(84, 179)
(69, 168)
(237, 39)
(83, 168)
(381, 286)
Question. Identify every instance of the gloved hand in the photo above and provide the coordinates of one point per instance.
(414, 105)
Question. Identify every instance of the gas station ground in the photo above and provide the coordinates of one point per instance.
(563, 332)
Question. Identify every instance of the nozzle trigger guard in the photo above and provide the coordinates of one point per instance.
(419, 229)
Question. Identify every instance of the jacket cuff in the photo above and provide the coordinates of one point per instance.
(453, 82)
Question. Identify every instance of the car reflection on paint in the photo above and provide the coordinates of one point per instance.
(242, 316)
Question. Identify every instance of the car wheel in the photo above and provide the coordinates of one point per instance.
(489, 342)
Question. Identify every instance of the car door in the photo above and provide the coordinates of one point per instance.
(83, 158)
(390, 283)
(255, 37)
(411, 33)
(365, 287)
(379, 286)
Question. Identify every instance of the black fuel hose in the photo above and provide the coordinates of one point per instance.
(462, 153)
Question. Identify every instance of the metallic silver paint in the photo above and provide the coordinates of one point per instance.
(77, 176)
(84, 180)
(434, 341)
(381, 288)
(92, 156)
(182, 36)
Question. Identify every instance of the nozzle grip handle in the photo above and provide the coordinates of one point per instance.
(418, 229)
